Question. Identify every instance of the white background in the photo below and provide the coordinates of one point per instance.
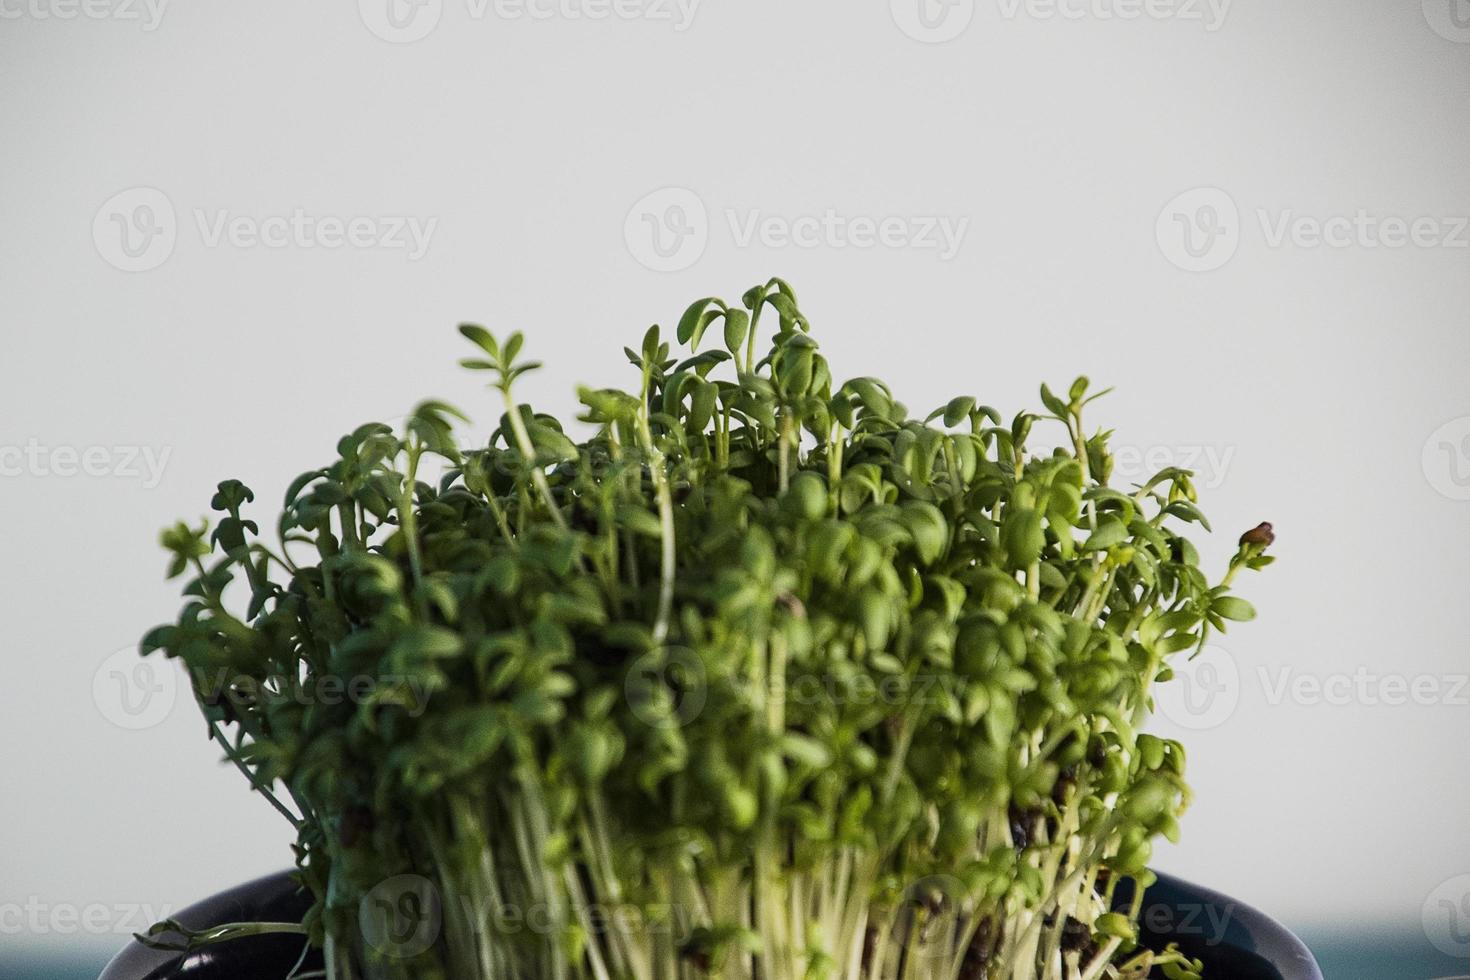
(1319, 372)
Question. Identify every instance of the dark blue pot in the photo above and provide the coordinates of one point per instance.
(275, 898)
(1235, 941)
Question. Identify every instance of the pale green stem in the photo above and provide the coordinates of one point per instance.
(666, 528)
(528, 451)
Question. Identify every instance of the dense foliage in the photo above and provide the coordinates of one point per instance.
(765, 678)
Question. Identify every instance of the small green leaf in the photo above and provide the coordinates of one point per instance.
(481, 337)
(1230, 607)
(1053, 404)
(1110, 531)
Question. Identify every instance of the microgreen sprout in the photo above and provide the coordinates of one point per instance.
(764, 678)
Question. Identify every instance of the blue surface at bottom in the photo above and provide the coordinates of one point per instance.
(1381, 955)
(38, 965)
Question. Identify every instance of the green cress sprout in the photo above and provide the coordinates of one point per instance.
(763, 679)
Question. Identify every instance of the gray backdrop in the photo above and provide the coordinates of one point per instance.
(229, 232)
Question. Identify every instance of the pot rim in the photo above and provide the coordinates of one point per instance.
(1236, 941)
